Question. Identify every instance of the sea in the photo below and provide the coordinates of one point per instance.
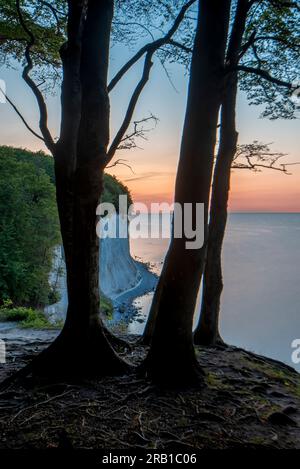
(260, 305)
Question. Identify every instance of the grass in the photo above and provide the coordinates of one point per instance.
(214, 381)
(28, 318)
(290, 381)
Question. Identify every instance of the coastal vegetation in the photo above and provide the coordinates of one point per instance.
(30, 232)
(29, 226)
(26, 317)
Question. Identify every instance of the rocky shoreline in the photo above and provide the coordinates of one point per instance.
(124, 307)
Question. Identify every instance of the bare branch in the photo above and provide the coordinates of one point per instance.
(256, 156)
(131, 107)
(186, 49)
(120, 161)
(20, 115)
(55, 14)
(151, 46)
(49, 142)
(142, 26)
(256, 167)
(139, 131)
(168, 76)
(245, 47)
(289, 164)
(255, 53)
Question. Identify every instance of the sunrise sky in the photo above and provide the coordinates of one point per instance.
(154, 164)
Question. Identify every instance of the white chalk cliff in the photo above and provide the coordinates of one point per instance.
(119, 272)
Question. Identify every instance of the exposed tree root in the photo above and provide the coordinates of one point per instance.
(204, 338)
(116, 341)
(73, 356)
(248, 402)
(172, 370)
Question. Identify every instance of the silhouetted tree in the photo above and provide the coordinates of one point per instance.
(78, 40)
(261, 58)
(251, 42)
(171, 358)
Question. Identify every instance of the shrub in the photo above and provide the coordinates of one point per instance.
(26, 317)
(106, 306)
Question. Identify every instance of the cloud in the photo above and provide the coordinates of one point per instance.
(149, 175)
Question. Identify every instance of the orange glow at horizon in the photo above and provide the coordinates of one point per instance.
(266, 191)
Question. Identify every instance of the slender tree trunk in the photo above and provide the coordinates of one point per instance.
(150, 324)
(207, 331)
(82, 348)
(171, 358)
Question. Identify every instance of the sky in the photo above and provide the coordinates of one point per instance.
(153, 163)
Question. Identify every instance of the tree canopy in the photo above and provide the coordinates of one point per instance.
(29, 223)
(29, 226)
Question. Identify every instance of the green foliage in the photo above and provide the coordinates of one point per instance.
(27, 317)
(54, 296)
(37, 320)
(275, 49)
(40, 160)
(272, 37)
(106, 306)
(112, 189)
(29, 227)
(48, 29)
(47, 21)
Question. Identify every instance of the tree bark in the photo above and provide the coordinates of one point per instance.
(82, 348)
(150, 324)
(207, 331)
(171, 359)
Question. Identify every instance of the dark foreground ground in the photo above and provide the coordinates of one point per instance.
(248, 402)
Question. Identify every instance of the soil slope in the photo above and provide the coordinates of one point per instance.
(248, 401)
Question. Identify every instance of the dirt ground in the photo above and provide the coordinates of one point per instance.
(247, 402)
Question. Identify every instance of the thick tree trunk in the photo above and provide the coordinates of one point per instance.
(82, 348)
(207, 331)
(171, 358)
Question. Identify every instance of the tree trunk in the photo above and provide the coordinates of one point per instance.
(82, 349)
(207, 331)
(171, 358)
(150, 324)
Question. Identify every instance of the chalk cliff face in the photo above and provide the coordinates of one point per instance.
(119, 272)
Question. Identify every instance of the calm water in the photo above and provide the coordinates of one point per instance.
(261, 298)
